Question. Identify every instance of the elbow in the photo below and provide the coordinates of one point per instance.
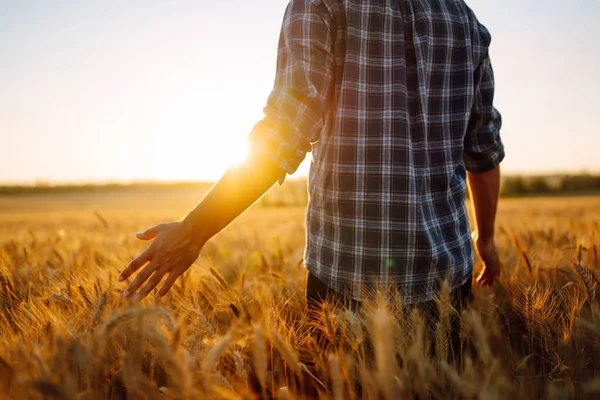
(485, 161)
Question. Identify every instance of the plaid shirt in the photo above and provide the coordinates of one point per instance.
(394, 99)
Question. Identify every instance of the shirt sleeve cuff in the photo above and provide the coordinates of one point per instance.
(481, 163)
(266, 141)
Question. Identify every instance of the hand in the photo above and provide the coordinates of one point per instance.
(486, 247)
(172, 252)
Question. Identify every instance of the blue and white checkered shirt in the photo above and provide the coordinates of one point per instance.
(395, 101)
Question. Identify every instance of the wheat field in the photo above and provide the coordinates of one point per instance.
(236, 326)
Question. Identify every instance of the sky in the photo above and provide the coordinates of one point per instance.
(133, 90)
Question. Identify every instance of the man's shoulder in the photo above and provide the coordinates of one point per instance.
(480, 34)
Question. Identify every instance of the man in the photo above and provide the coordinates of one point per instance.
(395, 101)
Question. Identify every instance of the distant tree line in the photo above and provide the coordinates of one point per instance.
(294, 192)
(66, 189)
(550, 185)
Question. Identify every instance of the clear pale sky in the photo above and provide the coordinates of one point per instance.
(135, 90)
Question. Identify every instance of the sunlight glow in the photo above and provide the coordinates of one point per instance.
(196, 137)
(191, 164)
(156, 95)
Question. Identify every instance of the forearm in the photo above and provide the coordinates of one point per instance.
(485, 191)
(240, 187)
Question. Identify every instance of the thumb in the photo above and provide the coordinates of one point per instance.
(150, 233)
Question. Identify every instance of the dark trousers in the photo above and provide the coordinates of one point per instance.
(317, 292)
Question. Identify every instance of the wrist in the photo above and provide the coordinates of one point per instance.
(194, 231)
(486, 235)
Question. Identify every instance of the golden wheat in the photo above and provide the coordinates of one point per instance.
(236, 326)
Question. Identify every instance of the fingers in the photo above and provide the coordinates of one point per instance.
(487, 280)
(152, 283)
(480, 277)
(134, 265)
(140, 279)
(488, 276)
(483, 280)
(150, 233)
(167, 285)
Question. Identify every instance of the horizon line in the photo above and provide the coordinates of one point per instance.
(152, 181)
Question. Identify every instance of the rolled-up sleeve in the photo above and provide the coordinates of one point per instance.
(483, 148)
(299, 102)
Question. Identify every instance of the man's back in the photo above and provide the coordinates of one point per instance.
(395, 98)
(396, 102)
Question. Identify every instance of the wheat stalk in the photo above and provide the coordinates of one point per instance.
(337, 383)
(288, 354)
(216, 352)
(260, 358)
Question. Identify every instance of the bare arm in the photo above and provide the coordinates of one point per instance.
(239, 188)
(176, 245)
(485, 191)
(483, 153)
(293, 121)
